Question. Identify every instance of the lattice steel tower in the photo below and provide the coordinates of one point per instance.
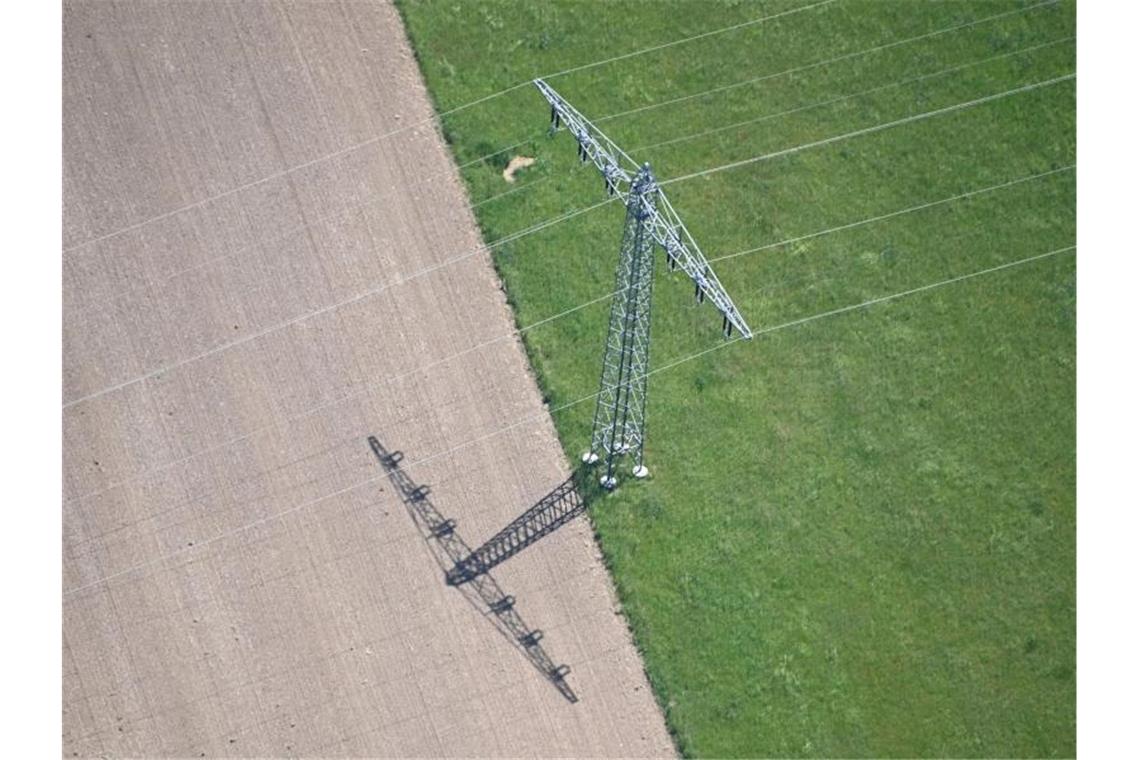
(650, 221)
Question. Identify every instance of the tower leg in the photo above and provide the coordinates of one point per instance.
(619, 417)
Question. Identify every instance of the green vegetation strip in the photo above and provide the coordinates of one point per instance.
(859, 534)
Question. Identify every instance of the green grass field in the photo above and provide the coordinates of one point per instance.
(859, 535)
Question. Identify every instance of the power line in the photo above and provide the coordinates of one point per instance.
(542, 225)
(875, 128)
(356, 206)
(433, 118)
(553, 410)
(546, 320)
(340, 213)
(281, 235)
(340, 399)
(754, 80)
(817, 64)
(325, 309)
(689, 39)
(512, 191)
(345, 211)
(882, 217)
(841, 98)
(920, 289)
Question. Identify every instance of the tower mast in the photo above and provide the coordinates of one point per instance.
(619, 417)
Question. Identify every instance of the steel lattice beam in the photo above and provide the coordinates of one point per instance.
(619, 417)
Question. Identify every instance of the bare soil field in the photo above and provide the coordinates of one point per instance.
(247, 188)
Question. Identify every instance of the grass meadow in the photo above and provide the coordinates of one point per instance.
(859, 533)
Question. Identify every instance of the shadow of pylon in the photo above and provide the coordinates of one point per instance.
(568, 500)
(482, 592)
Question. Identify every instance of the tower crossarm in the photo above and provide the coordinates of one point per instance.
(617, 168)
(664, 225)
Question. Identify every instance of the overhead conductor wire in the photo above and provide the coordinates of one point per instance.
(557, 220)
(429, 120)
(565, 313)
(561, 407)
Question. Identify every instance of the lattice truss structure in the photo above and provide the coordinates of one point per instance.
(454, 556)
(650, 221)
(552, 511)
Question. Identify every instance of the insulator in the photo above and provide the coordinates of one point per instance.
(502, 605)
(672, 262)
(609, 186)
(724, 324)
(582, 152)
(555, 119)
(728, 332)
(700, 294)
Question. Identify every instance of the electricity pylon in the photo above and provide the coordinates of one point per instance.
(619, 417)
